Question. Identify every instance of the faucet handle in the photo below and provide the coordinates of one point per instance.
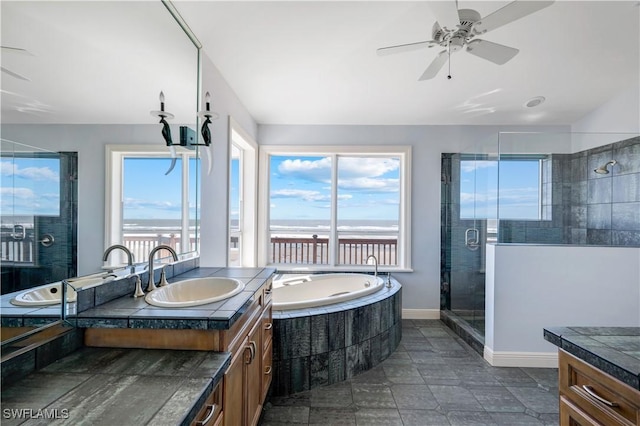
(163, 278)
(138, 292)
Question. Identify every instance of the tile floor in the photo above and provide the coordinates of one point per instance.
(433, 378)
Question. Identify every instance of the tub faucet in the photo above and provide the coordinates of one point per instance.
(375, 270)
(153, 252)
(124, 249)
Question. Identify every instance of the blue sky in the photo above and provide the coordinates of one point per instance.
(300, 188)
(150, 194)
(30, 186)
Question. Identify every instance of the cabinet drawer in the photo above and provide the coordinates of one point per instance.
(601, 396)
(267, 327)
(267, 369)
(570, 415)
(211, 412)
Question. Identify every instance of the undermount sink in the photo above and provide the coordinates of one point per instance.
(50, 294)
(194, 292)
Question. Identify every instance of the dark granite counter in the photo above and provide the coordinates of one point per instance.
(105, 386)
(614, 350)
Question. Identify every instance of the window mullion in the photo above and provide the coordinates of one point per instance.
(333, 231)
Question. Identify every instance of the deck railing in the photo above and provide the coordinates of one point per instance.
(351, 251)
(141, 245)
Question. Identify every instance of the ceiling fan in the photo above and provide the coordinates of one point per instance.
(14, 50)
(456, 28)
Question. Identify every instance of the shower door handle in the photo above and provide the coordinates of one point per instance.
(472, 239)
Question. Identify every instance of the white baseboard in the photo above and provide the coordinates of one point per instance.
(521, 359)
(421, 313)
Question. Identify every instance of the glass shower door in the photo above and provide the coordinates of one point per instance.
(469, 222)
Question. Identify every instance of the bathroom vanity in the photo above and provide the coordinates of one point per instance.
(206, 365)
(599, 374)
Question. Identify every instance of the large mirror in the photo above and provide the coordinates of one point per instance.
(80, 79)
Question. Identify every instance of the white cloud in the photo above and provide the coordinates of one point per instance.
(133, 203)
(365, 183)
(7, 168)
(349, 168)
(469, 166)
(22, 193)
(315, 171)
(305, 195)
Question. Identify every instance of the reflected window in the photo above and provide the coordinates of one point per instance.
(507, 189)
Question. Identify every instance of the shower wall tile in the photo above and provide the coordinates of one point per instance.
(579, 169)
(626, 188)
(579, 193)
(627, 154)
(625, 238)
(578, 236)
(578, 217)
(599, 191)
(599, 237)
(625, 216)
(599, 216)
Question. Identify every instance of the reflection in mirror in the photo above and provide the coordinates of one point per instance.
(80, 76)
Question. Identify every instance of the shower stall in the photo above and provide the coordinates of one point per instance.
(531, 188)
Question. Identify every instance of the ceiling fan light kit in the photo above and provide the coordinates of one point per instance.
(455, 29)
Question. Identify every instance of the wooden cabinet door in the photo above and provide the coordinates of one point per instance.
(234, 388)
(253, 375)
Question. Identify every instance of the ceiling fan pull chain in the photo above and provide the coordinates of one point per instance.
(449, 53)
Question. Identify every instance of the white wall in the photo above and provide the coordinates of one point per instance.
(529, 287)
(422, 286)
(89, 141)
(214, 198)
(620, 114)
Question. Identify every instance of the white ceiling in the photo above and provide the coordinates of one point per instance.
(304, 62)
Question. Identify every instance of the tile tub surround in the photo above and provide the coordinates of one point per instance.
(614, 350)
(320, 346)
(105, 386)
(129, 312)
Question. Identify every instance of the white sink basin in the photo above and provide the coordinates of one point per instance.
(90, 280)
(43, 296)
(194, 292)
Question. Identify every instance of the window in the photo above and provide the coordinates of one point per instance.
(149, 202)
(335, 207)
(507, 189)
(242, 198)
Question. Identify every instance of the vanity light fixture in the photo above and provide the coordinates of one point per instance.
(208, 115)
(164, 115)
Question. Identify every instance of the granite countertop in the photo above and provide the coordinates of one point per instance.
(108, 386)
(614, 350)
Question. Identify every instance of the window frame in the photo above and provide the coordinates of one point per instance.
(114, 189)
(403, 152)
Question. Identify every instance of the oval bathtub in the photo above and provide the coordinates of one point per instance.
(304, 291)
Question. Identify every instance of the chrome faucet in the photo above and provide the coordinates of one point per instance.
(153, 252)
(124, 249)
(375, 264)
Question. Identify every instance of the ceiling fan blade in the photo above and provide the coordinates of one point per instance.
(446, 13)
(383, 51)
(14, 74)
(435, 66)
(509, 13)
(18, 50)
(494, 52)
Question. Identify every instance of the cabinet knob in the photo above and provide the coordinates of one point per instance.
(267, 370)
(268, 326)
